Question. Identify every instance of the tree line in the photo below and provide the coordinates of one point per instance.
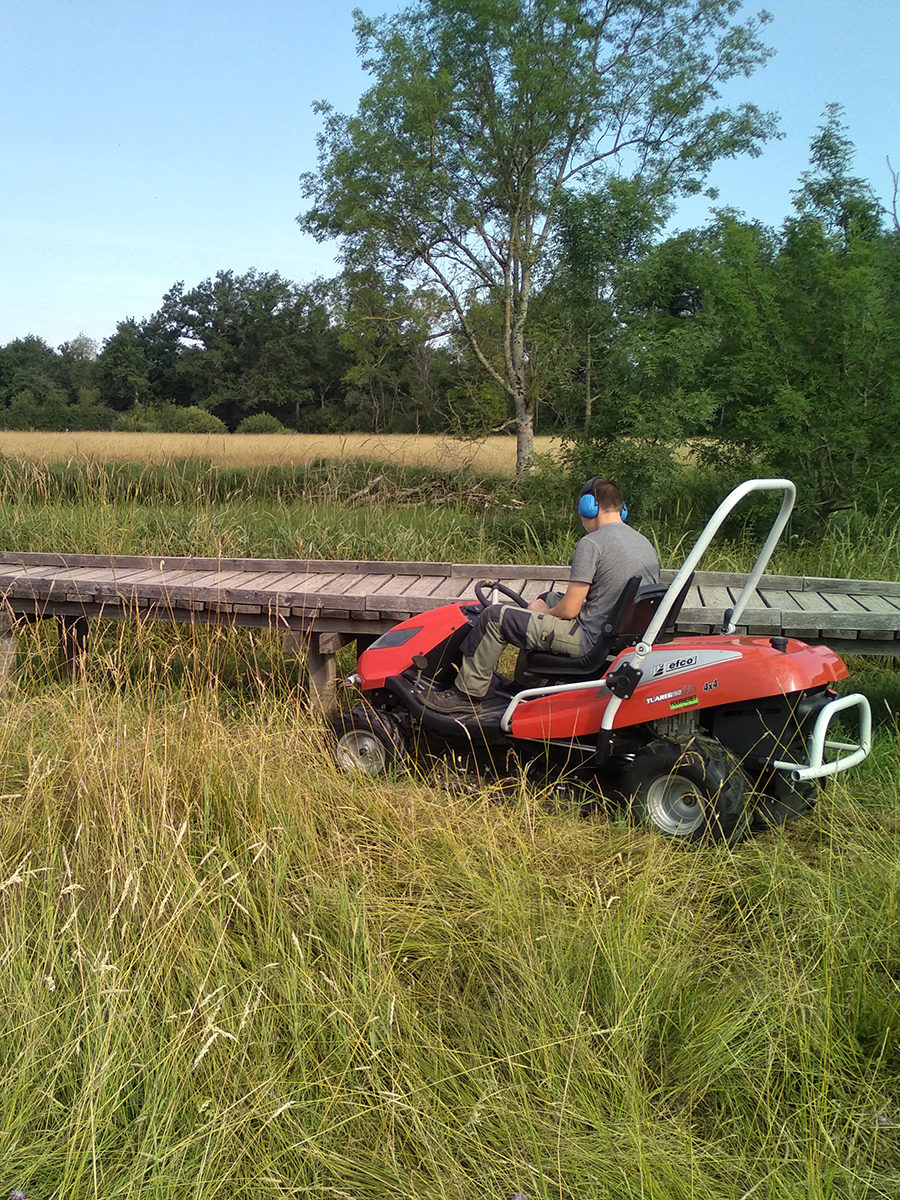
(249, 351)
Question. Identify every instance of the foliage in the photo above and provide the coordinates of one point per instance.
(784, 345)
(250, 342)
(579, 315)
(124, 367)
(169, 418)
(645, 470)
(397, 380)
(482, 112)
(261, 422)
(41, 389)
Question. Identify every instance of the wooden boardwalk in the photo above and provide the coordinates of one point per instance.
(320, 605)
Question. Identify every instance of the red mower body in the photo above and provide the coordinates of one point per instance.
(689, 673)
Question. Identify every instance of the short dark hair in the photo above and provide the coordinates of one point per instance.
(605, 492)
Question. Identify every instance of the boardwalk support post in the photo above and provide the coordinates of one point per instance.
(8, 642)
(73, 632)
(320, 650)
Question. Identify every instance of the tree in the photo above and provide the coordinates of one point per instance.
(33, 385)
(483, 112)
(239, 344)
(843, 205)
(123, 367)
(834, 406)
(793, 335)
(579, 315)
(395, 377)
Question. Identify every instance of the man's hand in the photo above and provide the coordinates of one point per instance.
(538, 605)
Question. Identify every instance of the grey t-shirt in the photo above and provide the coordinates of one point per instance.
(607, 559)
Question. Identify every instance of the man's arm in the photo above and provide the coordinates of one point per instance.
(570, 605)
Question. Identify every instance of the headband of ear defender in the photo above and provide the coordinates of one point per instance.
(587, 503)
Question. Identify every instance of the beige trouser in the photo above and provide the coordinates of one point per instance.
(502, 625)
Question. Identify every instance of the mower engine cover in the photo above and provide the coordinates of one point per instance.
(429, 635)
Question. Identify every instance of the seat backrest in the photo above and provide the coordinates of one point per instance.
(614, 625)
(639, 613)
(635, 619)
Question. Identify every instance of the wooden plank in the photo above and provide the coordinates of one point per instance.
(300, 586)
(760, 622)
(417, 596)
(813, 602)
(180, 578)
(359, 587)
(864, 587)
(254, 582)
(313, 565)
(694, 618)
(715, 598)
(828, 616)
(781, 599)
(509, 571)
(402, 585)
(8, 647)
(491, 570)
(459, 587)
(879, 604)
(280, 591)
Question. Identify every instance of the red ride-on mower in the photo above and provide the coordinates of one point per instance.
(700, 735)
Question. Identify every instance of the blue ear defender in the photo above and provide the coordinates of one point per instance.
(623, 512)
(588, 506)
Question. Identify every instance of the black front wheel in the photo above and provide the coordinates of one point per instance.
(691, 793)
(368, 742)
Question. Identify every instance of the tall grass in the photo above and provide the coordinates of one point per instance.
(354, 509)
(228, 969)
(496, 454)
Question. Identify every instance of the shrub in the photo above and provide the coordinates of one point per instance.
(170, 419)
(261, 422)
(191, 420)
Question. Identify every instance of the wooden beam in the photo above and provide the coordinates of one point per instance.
(73, 632)
(8, 646)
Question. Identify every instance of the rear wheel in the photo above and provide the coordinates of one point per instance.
(691, 793)
(368, 742)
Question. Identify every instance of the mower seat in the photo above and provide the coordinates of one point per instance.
(627, 622)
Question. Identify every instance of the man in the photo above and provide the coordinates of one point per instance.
(608, 555)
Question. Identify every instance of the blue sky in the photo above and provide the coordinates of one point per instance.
(144, 143)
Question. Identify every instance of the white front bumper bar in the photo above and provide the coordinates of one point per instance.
(848, 753)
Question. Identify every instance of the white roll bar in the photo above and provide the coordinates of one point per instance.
(713, 525)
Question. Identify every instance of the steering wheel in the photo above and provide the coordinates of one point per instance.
(484, 586)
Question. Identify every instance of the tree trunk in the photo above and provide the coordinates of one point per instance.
(517, 367)
(524, 443)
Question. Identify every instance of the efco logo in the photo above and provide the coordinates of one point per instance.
(674, 664)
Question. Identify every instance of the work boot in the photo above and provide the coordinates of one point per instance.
(452, 700)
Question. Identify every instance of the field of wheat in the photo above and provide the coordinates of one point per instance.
(491, 455)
